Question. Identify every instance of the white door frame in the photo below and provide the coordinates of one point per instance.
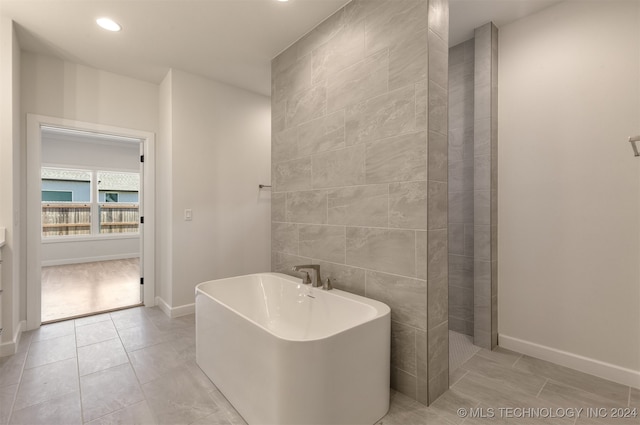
(34, 208)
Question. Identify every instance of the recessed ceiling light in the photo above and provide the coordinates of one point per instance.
(108, 24)
(283, 1)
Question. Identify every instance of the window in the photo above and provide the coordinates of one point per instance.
(69, 208)
(66, 197)
(57, 196)
(119, 201)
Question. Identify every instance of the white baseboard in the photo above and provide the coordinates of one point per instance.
(65, 261)
(588, 365)
(173, 312)
(9, 348)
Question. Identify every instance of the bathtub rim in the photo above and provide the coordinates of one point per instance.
(382, 310)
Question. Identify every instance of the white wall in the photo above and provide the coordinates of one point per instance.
(10, 184)
(57, 252)
(62, 89)
(61, 152)
(569, 186)
(53, 87)
(220, 152)
(164, 239)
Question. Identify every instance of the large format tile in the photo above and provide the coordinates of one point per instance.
(102, 355)
(406, 297)
(408, 205)
(421, 255)
(393, 22)
(92, 319)
(153, 362)
(284, 237)
(500, 355)
(7, 396)
(292, 78)
(387, 115)
(53, 330)
(461, 303)
(492, 393)
(387, 250)
(64, 409)
(278, 206)
(460, 206)
(607, 389)
(320, 135)
(403, 347)
(343, 49)
(400, 158)
(46, 382)
(438, 346)
(139, 337)
(130, 318)
(366, 205)
(11, 368)
(403, 382)
(323, 242)
(343, 167)
(634, 398)
(138, 414)
(438, 157)
(567, 396)
(509, 376)
(307, 207)
(95, 332)
(345, 278)
(448, 404)
(461, 271)
(292, 175)
(359, 82)
(321, 34)
(306, 105)
(227, 409)
(438, 206)
(109, 390)
(283, 263)
(284, 145)
(408, 60)
(177, 398)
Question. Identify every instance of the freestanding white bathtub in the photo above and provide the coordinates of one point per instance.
(285, 353)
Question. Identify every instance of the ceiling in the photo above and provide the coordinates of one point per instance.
(232, 41)
(466, 15)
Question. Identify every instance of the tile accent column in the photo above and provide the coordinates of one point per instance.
(359, 170)
(485, 187)
(437, 245)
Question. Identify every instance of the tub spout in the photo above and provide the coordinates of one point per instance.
(315, 273)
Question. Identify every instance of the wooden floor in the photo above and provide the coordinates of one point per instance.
(77, 289)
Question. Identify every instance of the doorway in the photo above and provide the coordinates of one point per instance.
(89, 219)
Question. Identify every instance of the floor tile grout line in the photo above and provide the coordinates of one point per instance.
(541, 388)
(513, 365)
(78, 370)
(15, 397)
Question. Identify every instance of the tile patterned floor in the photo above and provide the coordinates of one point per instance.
(76, 289)
(138, 367)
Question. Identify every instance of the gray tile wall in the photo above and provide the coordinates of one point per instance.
(485, 187)
(437, 222)
(359, 178)
(461, 191)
